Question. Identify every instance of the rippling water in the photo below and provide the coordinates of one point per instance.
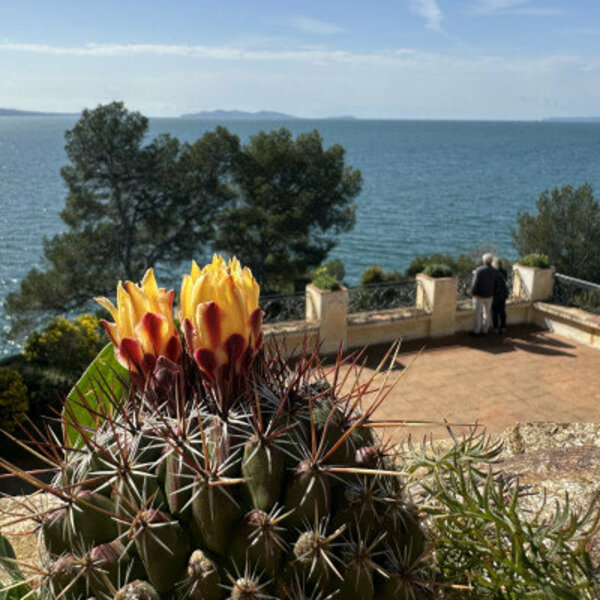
(429, 186)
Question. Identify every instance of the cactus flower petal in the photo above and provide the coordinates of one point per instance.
(221, 317)
(143, 327)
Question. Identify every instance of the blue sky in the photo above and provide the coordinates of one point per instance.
(483, 59)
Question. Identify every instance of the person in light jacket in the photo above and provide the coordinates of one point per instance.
(482, 289)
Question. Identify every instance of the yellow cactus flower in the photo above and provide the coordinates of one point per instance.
(144, 328)
(221, 317)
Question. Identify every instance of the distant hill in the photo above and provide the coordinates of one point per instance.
(240, 115)
(573, 119)
(13, 112)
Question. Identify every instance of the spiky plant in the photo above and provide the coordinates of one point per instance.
(216, 469)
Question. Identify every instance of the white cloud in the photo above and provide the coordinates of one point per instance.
(315, 27)
(430, 11)
(310, 81)
(515, 7)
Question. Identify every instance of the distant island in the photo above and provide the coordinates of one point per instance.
(572, 119)
(13, 112)
(261, 115)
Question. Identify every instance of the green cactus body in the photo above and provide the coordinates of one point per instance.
(110, 565)
(163, 548)
(215, 514)
(57, 532)
(262, 467)
(202, 581)
(357, 582)
(65, 578)
(178, 476)
(92, 517)
(308, 495)
(137, 590)
(257, 543)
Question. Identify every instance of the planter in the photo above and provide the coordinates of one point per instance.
(532, 283)
(329, 310)
(437, 296)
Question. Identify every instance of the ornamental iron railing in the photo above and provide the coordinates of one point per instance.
(569, 291)
(465, 281)
(381, 296)
(284, 307)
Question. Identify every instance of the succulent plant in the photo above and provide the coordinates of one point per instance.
(221, 470)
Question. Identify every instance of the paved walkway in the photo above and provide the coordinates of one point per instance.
(525, 375)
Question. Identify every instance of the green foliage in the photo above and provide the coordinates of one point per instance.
(484, 538)
(375, 274)
(16, 589)
(438, 270)
(128, 206)
(324, 280)
(65, 346)
(541, 261)
(293, 197)
(461, 265)
(14, 400)
(566, 229)
(102, 385)
(336, 268)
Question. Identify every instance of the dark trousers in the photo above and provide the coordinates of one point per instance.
(499, 314)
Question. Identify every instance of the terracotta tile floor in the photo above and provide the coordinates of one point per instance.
(525, 375)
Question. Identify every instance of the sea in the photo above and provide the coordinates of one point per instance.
(429, 186)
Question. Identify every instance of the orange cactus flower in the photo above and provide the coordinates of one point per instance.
(144, 328)
(221, 317)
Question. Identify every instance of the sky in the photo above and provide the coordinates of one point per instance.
(406, 59)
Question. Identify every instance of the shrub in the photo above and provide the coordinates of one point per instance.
(535, 259)
(336, 268)
(460, 265)
(375, 274)
(438, 270)
(14, 400)
(324, 280)
(65, 346)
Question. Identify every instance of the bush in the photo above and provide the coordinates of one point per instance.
(375, 274)
(535, 259)
(14, 399)
(65, 346)
(460, 265)
(566, 228)
(438, 270)
(324, 280)
(336, 268)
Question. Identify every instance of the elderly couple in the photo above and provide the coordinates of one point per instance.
(490, 291)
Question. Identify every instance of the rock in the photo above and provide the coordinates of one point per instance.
(524, 438)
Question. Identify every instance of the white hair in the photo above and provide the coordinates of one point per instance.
(487, 258)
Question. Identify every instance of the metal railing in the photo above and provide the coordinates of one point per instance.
(283, 307)
(569, 291)
(465, 281)
(381, 296)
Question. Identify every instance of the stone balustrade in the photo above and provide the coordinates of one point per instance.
(436, 313)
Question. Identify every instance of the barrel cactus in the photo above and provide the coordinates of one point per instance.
(217, 469)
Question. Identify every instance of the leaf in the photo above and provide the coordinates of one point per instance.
(103, 380)
(17, 589)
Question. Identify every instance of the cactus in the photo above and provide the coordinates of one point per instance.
(263, 481)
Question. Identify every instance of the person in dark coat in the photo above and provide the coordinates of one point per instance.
(482, 289)
(500, 296)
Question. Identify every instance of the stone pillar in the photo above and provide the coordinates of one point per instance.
(437, 296)
(532, 283)
(329, 309)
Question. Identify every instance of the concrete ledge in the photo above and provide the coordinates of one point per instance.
(291, 333)
(387, 325)
(517, 311)
(573, 323)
